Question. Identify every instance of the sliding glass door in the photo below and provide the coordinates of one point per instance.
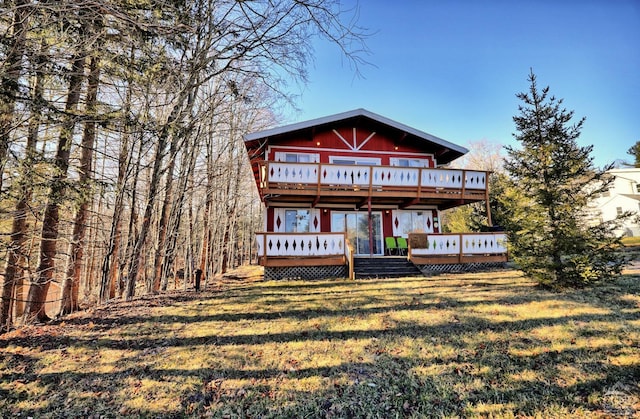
(356, 225)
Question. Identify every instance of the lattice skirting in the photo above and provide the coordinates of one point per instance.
(304, 272)
(459, 267)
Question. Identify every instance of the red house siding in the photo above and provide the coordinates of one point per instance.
(365, 143)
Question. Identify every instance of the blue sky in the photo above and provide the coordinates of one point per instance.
(452, 68)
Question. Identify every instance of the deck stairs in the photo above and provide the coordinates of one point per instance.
(384, 267)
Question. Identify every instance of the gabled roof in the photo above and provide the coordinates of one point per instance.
(452, 151)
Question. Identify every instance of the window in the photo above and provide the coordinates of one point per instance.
(362, 161)
(297, 157)
(406, 222)
(296, 221)
(406, 162)
(619, 211)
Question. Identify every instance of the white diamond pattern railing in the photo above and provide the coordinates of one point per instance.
(309, 174)
(471, 243)
(440, 178)
(293, 172)
(475, 180)
(300, 244)
(331, 174)
(395, 176)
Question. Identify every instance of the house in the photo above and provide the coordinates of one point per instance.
(340, 188)
(623, 196)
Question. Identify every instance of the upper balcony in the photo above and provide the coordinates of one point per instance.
(331, 184)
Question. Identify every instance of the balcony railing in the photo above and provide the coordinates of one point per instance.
(457, 248)
(316, 178)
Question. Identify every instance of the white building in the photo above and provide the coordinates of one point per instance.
(623, 196)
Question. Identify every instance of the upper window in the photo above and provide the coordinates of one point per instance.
(404, 162)
(363, 161)
(619, 211)
(297, 157)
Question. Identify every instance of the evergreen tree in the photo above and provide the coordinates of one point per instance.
(499, 187)
(555, 179)
(634, 151)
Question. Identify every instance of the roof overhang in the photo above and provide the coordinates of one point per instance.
(448, 151)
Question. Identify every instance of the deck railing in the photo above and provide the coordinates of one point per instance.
(328, 176)
(457, 248)
(300, 249)
(301, 244)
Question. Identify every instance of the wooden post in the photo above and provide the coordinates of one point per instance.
(464, 184)
(486, 200)
(370, 227)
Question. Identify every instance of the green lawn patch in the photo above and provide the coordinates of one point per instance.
(631, 241)
(473, 345)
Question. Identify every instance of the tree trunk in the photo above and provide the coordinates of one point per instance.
(134, 261)
(70, 288)
(13, 281)
(111, 263)
(177, 209)
(162, 222)
(39, 288)
(132, 231)
(9, 77)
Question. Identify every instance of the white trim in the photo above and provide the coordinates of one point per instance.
(314, 213)
(366, 140)
(352, 148)
(279, 212)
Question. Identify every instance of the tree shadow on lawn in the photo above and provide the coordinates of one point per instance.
(359, 300)
(390, 386)
(479, 374)
(464, 325)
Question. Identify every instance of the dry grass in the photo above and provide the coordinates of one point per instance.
(481, 345)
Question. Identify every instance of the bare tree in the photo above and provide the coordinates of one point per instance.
(10, 72)
(15, 249)
(171, 114)
(70, 288)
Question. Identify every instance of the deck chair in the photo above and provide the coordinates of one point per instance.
(391, 245)
(403, 247)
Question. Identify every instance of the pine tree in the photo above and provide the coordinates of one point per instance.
(555, 179)
(634, 151)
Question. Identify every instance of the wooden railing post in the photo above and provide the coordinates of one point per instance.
(264, 248)
(464, 183)
(318, 190)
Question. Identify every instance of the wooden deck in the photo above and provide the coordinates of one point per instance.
(322, 249)
(319, 183)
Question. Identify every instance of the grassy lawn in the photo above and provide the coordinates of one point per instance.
(485, 345)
